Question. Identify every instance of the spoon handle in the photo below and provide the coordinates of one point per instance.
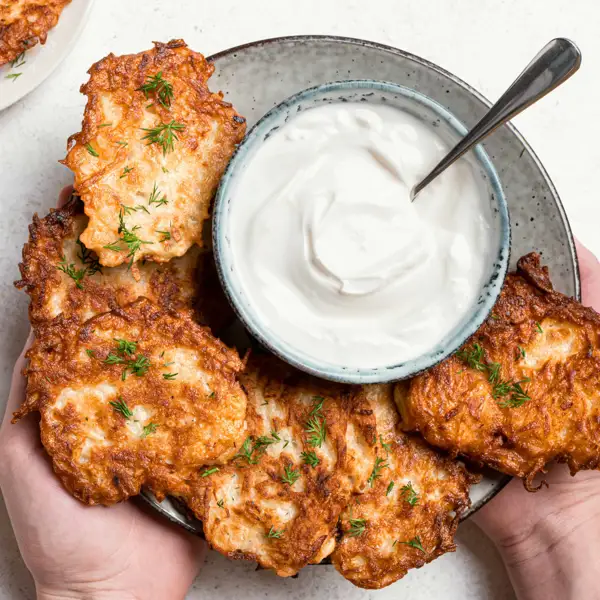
(553, 65)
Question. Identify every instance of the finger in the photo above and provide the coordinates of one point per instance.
(17, 386)
(64, 195)
(589, 270)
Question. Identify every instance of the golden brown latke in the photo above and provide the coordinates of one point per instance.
(24, 23)
(524, 389)
(310, 445)
(65, 279)
(408, 515)
(131, 397)
(133, 186)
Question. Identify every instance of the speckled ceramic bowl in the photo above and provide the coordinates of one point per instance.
(451, 130)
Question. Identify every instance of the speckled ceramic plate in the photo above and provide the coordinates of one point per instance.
(257, 76)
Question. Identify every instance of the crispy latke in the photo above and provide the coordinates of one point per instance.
(147, 195)
(524, 389)
(133, 396)
(64, 278)
(24, 23)
(273, 504)
(408, 515)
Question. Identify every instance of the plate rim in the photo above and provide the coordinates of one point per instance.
(60, 56)
(503, 479)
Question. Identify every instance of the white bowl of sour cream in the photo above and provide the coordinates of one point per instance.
(323, 256)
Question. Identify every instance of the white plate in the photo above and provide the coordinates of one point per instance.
(41, 60)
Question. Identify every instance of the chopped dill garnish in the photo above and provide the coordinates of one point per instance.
(91, 150)
(125, 347)
(75, 274)
(125, 356)
(473, 358)
(518, 396)
(221, 503)
(273, 533)
(170, 376)
(409, 494)
(522, 352)
(290, 476)
(163, 89)
(208, 472)
(415, 543)
(122, 143)
(104, 125)
(126, 169)
(164, 135)
(386, 447)
(129, 238)
(121, 407)
(87, 258)
(253, 448)
(380, 464)
(357, 527)
(13, 76)
(390, 487)
(149, 429)
(90, 353)
(539, 328)
(317, 406)
(310, 458)
(129, 209)
(155, 197)
(19, 61)
(166, 235)
(316, 430)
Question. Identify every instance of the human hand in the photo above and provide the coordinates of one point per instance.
(550, 540)
(78, 551)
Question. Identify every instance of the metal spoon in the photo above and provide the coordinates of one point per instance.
(553, 65)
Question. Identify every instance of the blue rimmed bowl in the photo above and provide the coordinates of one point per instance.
(448, 128)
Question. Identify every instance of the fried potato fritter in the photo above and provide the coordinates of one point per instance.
(153, 146)
(24, 23)
(524, 389)
(408, 515)
(310, 446)
(64, 279)
(133, 396)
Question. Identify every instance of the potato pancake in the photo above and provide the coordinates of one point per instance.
(408, 515)
(24, 23)
(133, 396)
(64, 278)
(523, 391)
(310, 446)
(153, 146)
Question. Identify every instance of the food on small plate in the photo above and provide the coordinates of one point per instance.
(409, 512)
(153, 146)
(24, 23)
(133, 396)
(65, 279)
(309, 446)
(523, 391)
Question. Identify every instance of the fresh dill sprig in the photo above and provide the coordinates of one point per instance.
(126, 169)
(19, 61)
(539, 328)
(310, 458)
(155, 197)
(386, 447)
(166, 235)
(290, 476)
(75, 274)
(473, 358)
(357, 527)
(221, 503)
(129, 238)
(415, 543)
(129, 209)
(208, 472)
(170, 376)
(87, 258)
(163, 89)
(90, 353)
(104, 125)
(389, 489)
(164, 135)
(91, 150)
(253, 448)
(518, 396)
(409, 494)
(317, 406)
(121, 406)
(149, 429)
(274, 533)
(521, 352)
(126, 347)
(380, 464)
(137, 365)
(13, 76)
(316, 430)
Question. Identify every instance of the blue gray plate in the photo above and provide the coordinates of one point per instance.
(257, 76)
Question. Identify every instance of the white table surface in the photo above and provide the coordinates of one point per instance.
(485, 42)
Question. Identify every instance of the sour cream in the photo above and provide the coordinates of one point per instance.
(333, 256)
